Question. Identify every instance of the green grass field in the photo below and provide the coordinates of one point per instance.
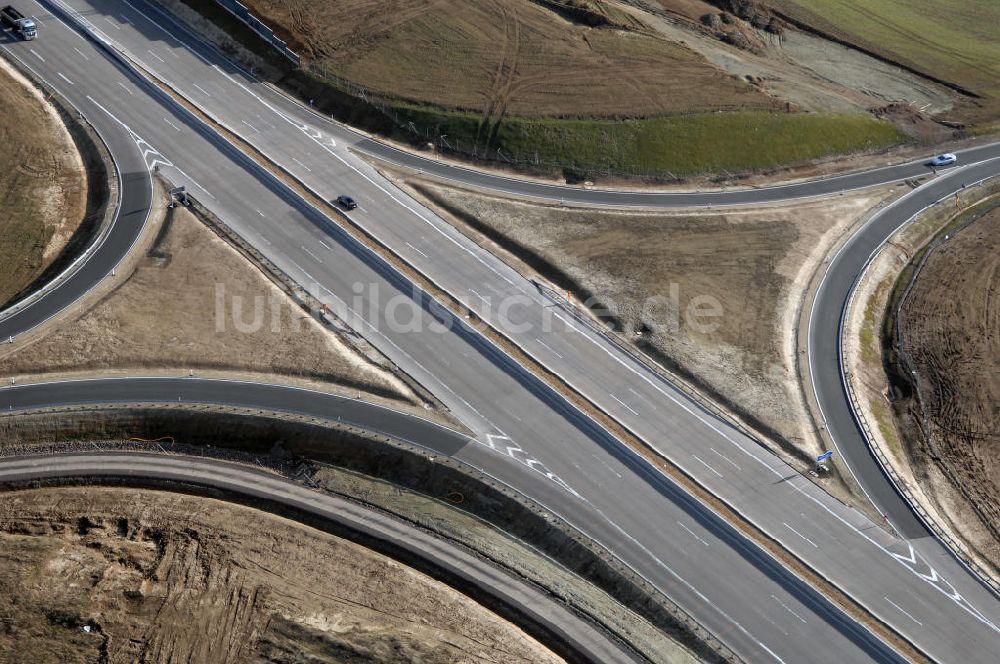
(954, 40)
(671, 145)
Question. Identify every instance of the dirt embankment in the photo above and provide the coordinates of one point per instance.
(194, 303)
(649, 268)
(123, 575)
(949, 326)
(43, 185)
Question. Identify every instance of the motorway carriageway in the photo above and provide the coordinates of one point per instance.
(527, 436)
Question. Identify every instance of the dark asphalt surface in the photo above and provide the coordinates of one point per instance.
(824, 337)
(363, 414)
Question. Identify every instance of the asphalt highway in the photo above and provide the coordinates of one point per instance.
(527, 436)
(824, 336)
(546, 619)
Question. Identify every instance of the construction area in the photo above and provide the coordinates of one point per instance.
(127, 575)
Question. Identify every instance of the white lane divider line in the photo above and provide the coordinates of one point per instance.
(551, 350)
(628, 407)
(476, 293)
(81, 53)
(122, 86)
(60, 75)
(250, 125)
(34, 53)
(800, 535)
(171, 124)
(155, 55)
(642, 398)
(416, 250)
(304, 166)
(315, 257)
(112, 23)
(788, 608)
(698, 459)
(692, 533)
(203, 90)
(125, 20)
(725, 458)
(904, 612)
(326, 245)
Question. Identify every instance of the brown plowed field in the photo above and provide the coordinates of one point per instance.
(507, 56)
(950, 325)
(121, 575)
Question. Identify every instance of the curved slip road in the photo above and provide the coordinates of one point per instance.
(829, 308)
(541, 616)
(527, 436)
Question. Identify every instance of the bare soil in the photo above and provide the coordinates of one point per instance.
(648, 267)
(949, 325)
(803, 69)
(193, 303)
(43, 186)
(123, 575)
(509, 56)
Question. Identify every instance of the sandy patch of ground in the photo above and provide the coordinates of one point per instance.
(43, 186)
(953, 333)
(193, 303)
(803, 69)
(163, 577)
(755, 264)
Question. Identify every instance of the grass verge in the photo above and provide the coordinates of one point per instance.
(665, 146)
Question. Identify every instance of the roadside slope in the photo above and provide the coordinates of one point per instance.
(43, 185)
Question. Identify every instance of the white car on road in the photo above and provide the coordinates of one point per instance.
(943, 160)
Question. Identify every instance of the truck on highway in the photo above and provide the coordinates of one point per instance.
(18, 22)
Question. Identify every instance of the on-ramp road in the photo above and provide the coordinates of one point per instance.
(527, 436)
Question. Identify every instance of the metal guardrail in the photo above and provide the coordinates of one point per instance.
(957, 548)
(240, 11)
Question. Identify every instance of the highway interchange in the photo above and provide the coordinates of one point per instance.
(525, 435)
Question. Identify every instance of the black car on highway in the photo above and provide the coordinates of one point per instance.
(346, 202)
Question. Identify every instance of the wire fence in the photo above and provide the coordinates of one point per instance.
(240, 11)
